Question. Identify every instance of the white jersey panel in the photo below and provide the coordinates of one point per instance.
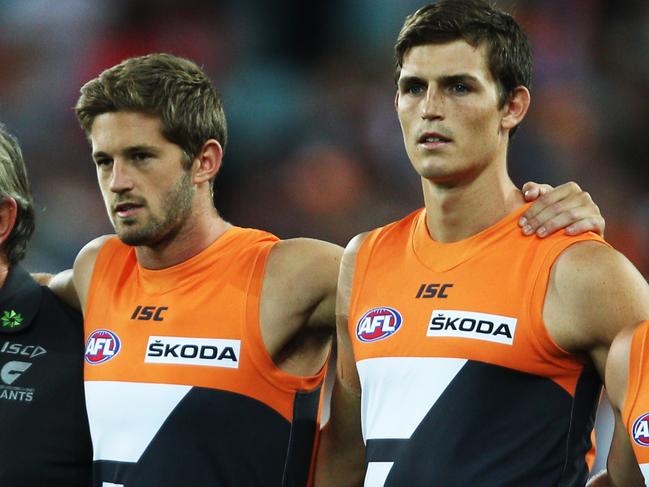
(397, 392)
(376, 473)
(125, 416)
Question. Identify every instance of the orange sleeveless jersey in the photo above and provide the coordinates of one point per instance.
(179, 387)
(461, 383)
(635, 414)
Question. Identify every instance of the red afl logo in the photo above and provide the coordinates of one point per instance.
(640, 430)
(102, 345)
(377, 324)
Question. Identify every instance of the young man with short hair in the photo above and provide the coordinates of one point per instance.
(469, 354)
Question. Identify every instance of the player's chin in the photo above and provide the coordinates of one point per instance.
(130, 235)
(433, 171)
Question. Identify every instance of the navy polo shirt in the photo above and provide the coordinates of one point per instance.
(44, 435)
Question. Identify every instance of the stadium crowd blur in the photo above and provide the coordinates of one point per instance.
(315, 148)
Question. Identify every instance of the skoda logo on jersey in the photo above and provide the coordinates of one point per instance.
(641, 430)
(102, 346)
(377, 324)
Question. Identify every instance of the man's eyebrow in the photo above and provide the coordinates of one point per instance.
(406, 80)
(128, 150)
(460, 77)
(446, 79)
(140, 148)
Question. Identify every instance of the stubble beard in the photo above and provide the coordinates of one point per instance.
(176, 206)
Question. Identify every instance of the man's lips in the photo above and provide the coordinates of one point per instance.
(124, 210)
(433, 140)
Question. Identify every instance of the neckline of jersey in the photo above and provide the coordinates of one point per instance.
(441, 257)
(159, 281)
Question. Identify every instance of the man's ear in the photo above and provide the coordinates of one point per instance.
(208, 161)
(396, 100)
(515, 108)
(8, 215)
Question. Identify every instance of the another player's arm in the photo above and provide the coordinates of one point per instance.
(341, 453)
(566, 206)
(622, 469)
(594, 293)
(72, 285)
(297, 303)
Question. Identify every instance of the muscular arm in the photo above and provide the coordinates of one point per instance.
(594, 293)
(341, 452)
(297, 303)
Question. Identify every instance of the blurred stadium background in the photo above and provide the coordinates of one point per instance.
(315, 148)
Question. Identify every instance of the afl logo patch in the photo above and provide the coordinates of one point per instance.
(377, 324)
(641, 430)
(102, 345)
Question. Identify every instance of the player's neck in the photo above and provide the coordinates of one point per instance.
(459, 211)
(200, 230)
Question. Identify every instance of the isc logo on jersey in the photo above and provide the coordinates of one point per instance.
(641, 430)
(377, 324)
(102, 345)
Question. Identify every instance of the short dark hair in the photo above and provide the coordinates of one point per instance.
(509, 56)
(14, 184)
(170, 87)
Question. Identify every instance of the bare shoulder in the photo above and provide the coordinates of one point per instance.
(617, 367)
(84, 265)
(313, 264)
(299, 253)
(354, 245)
(88, 254)
(588, 270)
(585, 253)
(596, 291)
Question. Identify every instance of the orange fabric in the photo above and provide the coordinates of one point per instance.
(511, 282)
(227, 277)
(636, 402)
(591, 456)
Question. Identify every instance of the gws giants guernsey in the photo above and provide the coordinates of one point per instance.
(179, 387)
(461, 383)
(635, 413)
